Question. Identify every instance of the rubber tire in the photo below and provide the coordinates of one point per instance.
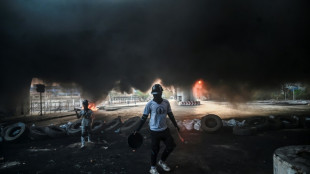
(98, 125)
(37, 133)
(3, 131)
(261, 123)
(217, 119)
(305, 122)
(244, 131)
(75, 128)
(293, 122)
(54, 131)
(275, 123)
(130, 125)
(113, 125)
(20, 135)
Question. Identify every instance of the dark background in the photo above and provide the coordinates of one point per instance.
(237, 46)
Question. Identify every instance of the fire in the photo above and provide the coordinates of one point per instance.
(199, 89)
(91, 106)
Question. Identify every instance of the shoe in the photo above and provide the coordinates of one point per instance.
(82, 146)
(89, 141)
(164, 166)
(153, 171)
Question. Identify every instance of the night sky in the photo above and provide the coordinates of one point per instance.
(234, 46)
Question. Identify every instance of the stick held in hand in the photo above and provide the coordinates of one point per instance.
(180, 137)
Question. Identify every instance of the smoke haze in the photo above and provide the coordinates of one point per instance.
(235, 46)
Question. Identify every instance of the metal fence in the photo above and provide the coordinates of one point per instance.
(53, 106)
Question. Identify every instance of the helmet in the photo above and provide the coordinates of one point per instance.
(85, 102)
(156, 89)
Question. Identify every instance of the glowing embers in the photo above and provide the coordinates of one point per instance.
(199, 89)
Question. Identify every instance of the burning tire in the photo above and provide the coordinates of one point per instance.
(244, 130)
(130, 125)
(75, 128)
(211, 123)
(15, 131)
(97, 126)
(113, 125)
(54, 131)
(289, 122)
(261, 123)
(37, 133)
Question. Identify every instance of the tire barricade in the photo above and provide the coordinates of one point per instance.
(189, 103)
(55, 131)
(15, 132)
(97, 127)
(261, 123)
(289, 122)
(37, 133)
(130, 125)
(244, 131)
(74, 129)
(210, 123)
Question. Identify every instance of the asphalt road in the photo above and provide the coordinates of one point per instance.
(218, 153)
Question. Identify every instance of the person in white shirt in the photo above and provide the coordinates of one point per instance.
(158, 108)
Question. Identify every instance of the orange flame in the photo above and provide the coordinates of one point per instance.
(91, 106)
(199, 89)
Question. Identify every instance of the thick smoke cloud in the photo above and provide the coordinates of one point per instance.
(236, 46)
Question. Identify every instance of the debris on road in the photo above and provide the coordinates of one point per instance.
(233, 122)
(10, 164)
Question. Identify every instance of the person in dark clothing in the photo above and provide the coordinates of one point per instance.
(87, 122)
(158, 108)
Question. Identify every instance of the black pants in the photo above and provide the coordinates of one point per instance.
(85, 131)
(166, 137)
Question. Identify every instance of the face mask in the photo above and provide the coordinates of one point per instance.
(157, 98)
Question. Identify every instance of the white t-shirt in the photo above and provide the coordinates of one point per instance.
(158, 114)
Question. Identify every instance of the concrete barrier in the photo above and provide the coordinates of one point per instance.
(292, 160)
(189, 103)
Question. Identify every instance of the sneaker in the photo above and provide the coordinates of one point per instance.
(82, 146)
(164, 166)
(153, 171)
(89, 140)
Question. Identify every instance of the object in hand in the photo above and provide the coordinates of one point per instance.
(135, 140)
(180, 137)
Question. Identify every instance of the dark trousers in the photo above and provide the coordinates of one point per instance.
(85, 131)
(166, 137)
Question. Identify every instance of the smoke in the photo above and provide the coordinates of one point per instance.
(236, 46)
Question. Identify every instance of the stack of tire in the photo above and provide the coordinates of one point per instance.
(19, 131)
(113, 125)
(130, 125)
(260, 123)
